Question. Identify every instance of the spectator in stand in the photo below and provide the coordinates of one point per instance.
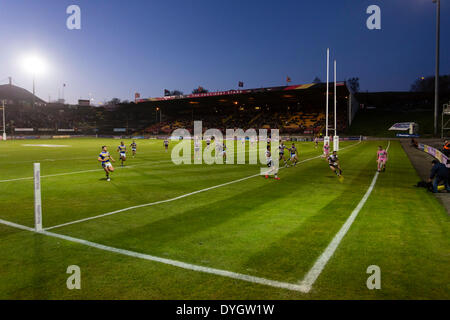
(439, 173)
(446, 148)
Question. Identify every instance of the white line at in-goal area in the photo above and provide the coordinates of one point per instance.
(303, 286)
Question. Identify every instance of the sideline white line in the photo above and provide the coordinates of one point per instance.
(15, 225)
(172, 199)
(320, 263)
(175, 263)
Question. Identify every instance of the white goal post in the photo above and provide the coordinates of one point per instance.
(37, 198)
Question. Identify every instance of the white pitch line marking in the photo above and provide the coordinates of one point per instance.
(173, 199)
(320, 263)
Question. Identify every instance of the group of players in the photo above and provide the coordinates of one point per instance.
(105, 157)
(333, 161)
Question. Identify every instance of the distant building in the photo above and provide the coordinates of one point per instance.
(82, 102)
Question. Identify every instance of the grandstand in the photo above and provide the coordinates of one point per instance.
(296, 109)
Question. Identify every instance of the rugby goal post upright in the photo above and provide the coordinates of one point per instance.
(37, 198)
(326, 139)
(335, 136)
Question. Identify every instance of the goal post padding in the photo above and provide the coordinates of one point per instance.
(37, 198)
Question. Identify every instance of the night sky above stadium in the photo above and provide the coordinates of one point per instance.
(125, 47)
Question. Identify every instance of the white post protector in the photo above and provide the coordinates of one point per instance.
(37, 198)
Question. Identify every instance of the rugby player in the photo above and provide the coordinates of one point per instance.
(122, 149)
(197, 153)
(105, 158)
(270, 165)
(166, 144)
(333, 162)
(293, 152)
(224, 151)
(316, 142)
(133, 148)
(381, 159)
(326, 150)
(281, 148)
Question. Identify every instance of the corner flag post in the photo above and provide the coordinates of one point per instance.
(37, 198)
(335, 136)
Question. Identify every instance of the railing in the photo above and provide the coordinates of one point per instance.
(435, 153)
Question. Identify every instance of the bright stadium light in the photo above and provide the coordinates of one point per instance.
(34, 64)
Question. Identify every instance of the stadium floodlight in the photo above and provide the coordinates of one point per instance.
(35, 65)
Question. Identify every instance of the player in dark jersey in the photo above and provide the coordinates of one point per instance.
(281, 148)
(293, 152)
(166, 144)
(333, 162)
(122, 149)
(133, 148)
(105, 158)
(224, 151)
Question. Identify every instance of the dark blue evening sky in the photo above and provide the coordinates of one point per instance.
(145, 46)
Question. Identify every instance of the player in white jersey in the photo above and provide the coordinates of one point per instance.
(333, 162)
(197, 153)
(281, 148)
(270, 164)
(166, 144)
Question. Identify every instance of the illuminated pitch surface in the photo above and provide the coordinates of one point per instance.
(264, 228)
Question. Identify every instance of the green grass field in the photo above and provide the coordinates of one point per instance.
(259, 227)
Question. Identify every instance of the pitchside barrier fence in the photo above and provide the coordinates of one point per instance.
(435, 153)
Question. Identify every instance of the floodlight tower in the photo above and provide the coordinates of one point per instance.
(34, 65)
(436, 79)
